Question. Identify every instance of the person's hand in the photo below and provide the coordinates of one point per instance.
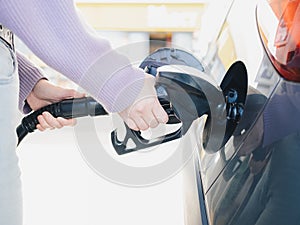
(146, 111)
(45, 93)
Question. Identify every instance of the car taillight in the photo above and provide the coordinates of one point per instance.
(279, 27)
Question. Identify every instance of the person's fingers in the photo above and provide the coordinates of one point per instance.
(131, 124)
(43, 123)
(79, 95)
(143, 116)
(153, 122)
(40, 128)
(152, 111)
(159, 113)
(149, 118)
(53, 122)
(47, 121)
(136, 123)
(140, 123)
(140, 114)
(69, 93)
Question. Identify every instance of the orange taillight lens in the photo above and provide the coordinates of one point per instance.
(279, 26)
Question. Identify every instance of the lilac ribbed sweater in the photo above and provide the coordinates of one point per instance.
(29, 75)
(54, 32)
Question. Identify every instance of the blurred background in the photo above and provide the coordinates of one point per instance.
(169, 22)
(58, 186)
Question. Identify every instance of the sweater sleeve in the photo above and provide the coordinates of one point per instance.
(56, 34)
(29, 75)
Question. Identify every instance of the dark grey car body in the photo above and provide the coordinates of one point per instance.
(255, 178)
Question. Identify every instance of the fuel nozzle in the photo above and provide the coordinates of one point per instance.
(190, 93)
(194, 93)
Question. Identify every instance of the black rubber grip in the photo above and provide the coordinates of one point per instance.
(69, 108)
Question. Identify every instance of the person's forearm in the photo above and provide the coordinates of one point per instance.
(29, 75)
(54, 32)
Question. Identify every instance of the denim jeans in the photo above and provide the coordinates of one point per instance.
(10, 183)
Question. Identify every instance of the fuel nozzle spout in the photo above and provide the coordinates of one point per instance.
(194, 93)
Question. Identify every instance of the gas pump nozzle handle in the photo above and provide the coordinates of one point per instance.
(75, 108)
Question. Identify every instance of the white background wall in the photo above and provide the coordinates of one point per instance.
(60, 188)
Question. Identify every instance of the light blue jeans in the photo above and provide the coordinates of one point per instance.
(10, 183)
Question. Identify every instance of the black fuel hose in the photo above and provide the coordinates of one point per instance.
(69, 108)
